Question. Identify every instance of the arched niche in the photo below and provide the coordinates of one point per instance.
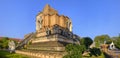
(69, 25)
(39, 22)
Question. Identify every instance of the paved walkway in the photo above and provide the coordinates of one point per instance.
(114, 53)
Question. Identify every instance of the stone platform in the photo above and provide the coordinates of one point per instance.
(54, 42)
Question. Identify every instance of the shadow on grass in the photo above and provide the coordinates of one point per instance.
(5, 54)
(107, 56)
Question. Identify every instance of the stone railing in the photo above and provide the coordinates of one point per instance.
(25, 41)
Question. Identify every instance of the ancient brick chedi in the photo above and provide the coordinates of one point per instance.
(53, 32)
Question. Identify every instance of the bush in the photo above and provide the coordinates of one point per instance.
(74, 51)
(95, 51)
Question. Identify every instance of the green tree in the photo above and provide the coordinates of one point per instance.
(87, 41)
(4, 42)
(101, 40)
(117, 42)
(0, 44)
(95, 51)
(74, 51)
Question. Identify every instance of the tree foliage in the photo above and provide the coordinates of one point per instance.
(74, 51)
(87, 41)
(95, 51)
(101, 40)
(4, 42)
(117, 42)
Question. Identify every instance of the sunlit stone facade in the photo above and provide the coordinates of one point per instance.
(50, 17)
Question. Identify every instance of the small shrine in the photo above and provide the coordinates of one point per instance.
(112, 46)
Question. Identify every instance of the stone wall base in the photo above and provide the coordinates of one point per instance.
(41, 54)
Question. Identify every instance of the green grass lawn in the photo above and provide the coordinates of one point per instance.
(5, 54)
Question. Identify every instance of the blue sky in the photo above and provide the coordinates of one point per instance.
(89, 17)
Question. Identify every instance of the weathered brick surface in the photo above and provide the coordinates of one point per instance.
(42, 54)
(49, 17)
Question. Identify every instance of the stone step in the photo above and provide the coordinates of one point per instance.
(47, 48)
(50, 43)
(41, 54)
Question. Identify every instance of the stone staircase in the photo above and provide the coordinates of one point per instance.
(25, 41)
